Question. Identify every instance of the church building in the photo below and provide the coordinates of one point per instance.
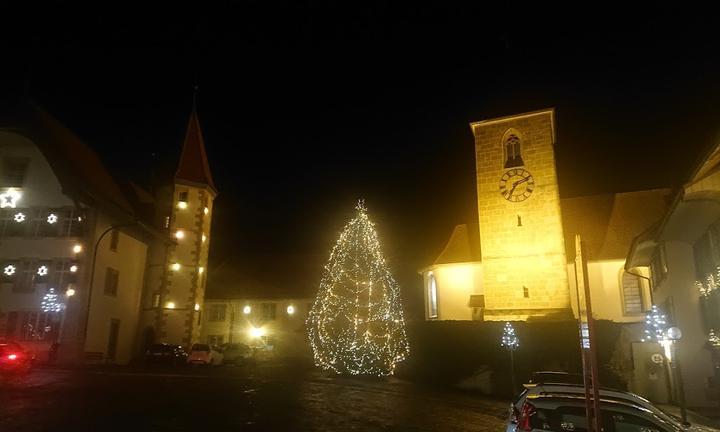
(517, 262)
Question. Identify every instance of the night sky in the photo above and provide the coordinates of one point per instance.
(307, 107)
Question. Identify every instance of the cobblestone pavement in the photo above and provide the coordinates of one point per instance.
(279, 398)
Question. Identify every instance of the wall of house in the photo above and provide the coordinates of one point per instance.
(129, 260)
(286, 334)
(604, 278)
(678, 289)
(41, 195)
(455, 284)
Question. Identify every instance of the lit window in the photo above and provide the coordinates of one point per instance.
(632, 294)
(156, 300)
(167, 221)
(175, 266)
(432, 296)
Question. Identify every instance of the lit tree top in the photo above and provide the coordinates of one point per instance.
(509, 338)
(356, 324)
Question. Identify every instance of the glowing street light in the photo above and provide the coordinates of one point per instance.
(247, 310)
(256, 332)
(291, 310)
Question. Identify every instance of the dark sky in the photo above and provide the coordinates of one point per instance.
(307, 106)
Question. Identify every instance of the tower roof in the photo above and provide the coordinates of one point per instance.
(193, 167)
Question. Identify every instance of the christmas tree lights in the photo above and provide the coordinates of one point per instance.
(655, 323)
(50, 302)
(356, 324)
(509, 338)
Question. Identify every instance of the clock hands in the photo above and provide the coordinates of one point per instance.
(516, 184)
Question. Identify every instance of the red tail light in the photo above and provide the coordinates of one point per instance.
(526, 412)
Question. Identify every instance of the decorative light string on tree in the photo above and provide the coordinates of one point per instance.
(356, 324)
(509, 339)
(655, 325)
(50, 302)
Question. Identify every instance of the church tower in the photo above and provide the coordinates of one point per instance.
(523, 251)
(178, 269)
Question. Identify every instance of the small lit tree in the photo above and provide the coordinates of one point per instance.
(510, 342)
(356, 324)
(655, 325)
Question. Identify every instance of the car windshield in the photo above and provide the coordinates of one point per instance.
(200, 347)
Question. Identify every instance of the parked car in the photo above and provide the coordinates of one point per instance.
(165, 354)
(545, 406)
(14, 359)
(237, 354)
(204, 354)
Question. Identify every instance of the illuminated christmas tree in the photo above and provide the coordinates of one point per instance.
(655, 325)
(356, 324)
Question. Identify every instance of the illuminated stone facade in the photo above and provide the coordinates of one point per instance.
(177, 273)
(523, 251)
(517, 261)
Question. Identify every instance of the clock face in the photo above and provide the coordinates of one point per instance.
(516, 185)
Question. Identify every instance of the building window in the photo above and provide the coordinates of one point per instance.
(111, 281)
(25, 279)
(512, 146)
(13, 172)
(658, 266)
(432, 297)
(114, 239)
(215, 339)
(156, 300)
(268, 311)
(632, 294)
(217, 312)
(183, 196)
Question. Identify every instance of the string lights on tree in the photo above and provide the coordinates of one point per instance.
(655, 325)
(356, 324)
(50, 302)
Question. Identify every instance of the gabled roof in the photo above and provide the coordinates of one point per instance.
(78, 168)
(463, 246)
(193, 166)
(608, 223)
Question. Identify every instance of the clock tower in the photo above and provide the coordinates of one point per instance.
(523, 251)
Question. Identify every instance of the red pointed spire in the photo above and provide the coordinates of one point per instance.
(193, 166)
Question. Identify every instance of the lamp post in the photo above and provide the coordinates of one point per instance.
(674, 335)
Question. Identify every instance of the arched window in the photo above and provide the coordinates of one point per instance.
(513, 149)
(632, 294)
(432, 296)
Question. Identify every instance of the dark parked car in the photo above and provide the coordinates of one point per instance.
(166, 354)
(14, 359)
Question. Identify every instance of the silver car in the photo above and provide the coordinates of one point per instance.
(561, 408)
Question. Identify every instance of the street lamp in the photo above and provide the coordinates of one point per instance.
(674, 334)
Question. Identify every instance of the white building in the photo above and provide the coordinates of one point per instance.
(69, 228)
(682, 252)
(241, 309)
